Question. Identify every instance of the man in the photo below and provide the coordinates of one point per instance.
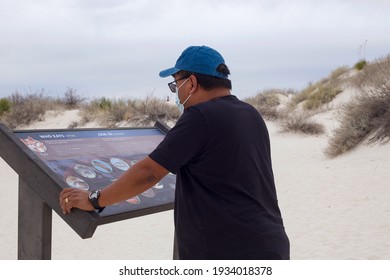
(225, 202)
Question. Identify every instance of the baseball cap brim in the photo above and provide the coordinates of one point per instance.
(169, 72)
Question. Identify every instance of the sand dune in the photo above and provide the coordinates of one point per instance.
(333, 208)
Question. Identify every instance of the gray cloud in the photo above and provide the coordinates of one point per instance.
(117, 48)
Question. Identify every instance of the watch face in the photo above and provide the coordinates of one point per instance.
(93, 195)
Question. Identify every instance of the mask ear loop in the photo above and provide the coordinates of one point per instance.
(178, 87)
(186, 99)
(184, 102)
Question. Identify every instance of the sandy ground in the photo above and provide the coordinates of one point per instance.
(333, 209)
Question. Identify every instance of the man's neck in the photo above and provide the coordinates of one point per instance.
(215, 93)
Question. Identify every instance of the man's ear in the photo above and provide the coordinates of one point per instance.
(194, 84)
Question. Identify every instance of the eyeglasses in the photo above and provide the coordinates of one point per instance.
(173, 86)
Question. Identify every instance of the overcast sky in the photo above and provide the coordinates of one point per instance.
(116, 48)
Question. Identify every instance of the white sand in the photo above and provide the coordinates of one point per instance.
(333, 208)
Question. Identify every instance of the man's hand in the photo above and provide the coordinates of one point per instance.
(137, 179)
(74, 198)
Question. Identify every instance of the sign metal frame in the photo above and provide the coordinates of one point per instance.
(39, 189)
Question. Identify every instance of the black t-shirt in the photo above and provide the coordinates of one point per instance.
(225, 201)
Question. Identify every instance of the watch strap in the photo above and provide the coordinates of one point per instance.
(94, 199)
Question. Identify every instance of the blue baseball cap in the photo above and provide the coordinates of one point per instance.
(197, 59)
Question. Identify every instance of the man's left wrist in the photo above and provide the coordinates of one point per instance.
(94, 199)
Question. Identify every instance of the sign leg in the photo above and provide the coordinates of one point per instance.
(34, 225)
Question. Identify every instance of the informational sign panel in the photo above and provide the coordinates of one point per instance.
(93, 159)
(47, 161)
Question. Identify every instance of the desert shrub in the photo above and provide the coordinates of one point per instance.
(139, 112)
(120, 110)
(72, 99)
(360, 64)
(324, 94)
(97, 109)
(367, 116)
(73, 124)
(320, 93)
(266, 103)
(151, 109)
(105, 111)
(337, 73)
(5, 106)
(28, 108)
(314, 95)
(102, 103)
(373, 75)
(304, 94)
(300, 122)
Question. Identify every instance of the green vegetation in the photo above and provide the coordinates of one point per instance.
(102, 104)
(23, 109)
(318, 94)
(5, 106)
(268, 104)
(323, 94)
(360, 64)
(135, 111)
(27, 108)
(368, 116)
(364, 119)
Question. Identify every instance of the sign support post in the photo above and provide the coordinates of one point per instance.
(34, 225)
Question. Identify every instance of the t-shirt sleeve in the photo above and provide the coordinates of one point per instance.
(183, 142)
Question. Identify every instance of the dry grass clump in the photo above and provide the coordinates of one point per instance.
(375, 73)
(136, 112)
(267, 102)
(317, 94)
(368, 116)
(289, 119)
(323, 94)
(27, 108)
(337, 74)
(293, 121)
(72, 99)
(106, 112)
(23, 109)
(151, 109)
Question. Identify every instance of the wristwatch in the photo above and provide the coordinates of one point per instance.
(94, 199)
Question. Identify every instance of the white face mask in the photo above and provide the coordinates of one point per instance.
(181, 105)
(178, 103)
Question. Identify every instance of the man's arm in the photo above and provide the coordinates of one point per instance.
(140, 177)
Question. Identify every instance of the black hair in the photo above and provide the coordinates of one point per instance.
(210, 82)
